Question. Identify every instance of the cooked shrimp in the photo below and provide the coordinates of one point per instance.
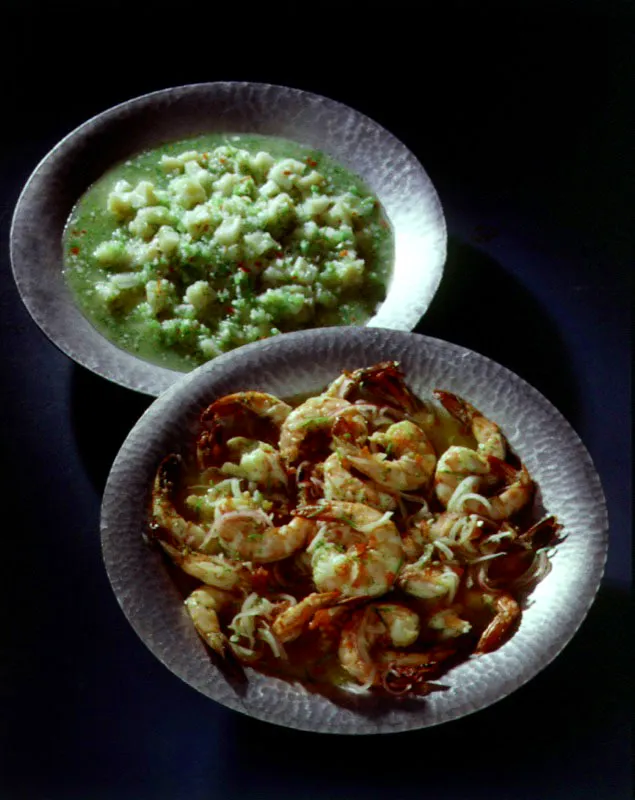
(456, 464)
(213, 570)
(250, 535)
(406, 464)
(382, 384)
(252, 626)
(449, 624)
(256, 462)
(375, 625)
(412, 672)
(459, 533)
(430, 581)
(356, 551)
(491, 441)
(203, 606)
(290, 623)
(313, 418)
(461, 472)
(507, 612)
(253, 415)
(182, 532)
(341, 484)
(510, 501)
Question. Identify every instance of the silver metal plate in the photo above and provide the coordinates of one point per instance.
(301, 362)
(358, 143)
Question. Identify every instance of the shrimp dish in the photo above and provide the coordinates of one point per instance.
(365, 539)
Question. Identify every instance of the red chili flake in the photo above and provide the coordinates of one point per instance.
(83, 230)
(258, 263)
(343, 253)
(279, 254)
(243, 268)
(286, 172)
(230, 310)
(311, 162)
(75, 251)
(75, 233)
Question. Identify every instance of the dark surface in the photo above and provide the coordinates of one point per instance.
(522, 123)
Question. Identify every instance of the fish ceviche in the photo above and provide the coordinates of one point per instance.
(366, 538)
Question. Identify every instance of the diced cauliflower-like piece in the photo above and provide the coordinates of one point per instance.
(112, 254)
(200, 295)
(127, 280)
(114, 296)
(314, 206)
(280, 211)
(226, 183)
(108, 293)
(303, 271)
(338, 236)
(145, 252)
(312, 179)
(185, 311)
(187, 191)
(198, 220)
(345, 273)
(118, 202)
(259, 316)
(228, 232)
(123, 201)
(258, 243)
(340, 212)
(180, 331)
(209, 347)
(168, 239)
(143, 195)
(269, 189)
(202, 176)
(287, 302)
(236, 205)
(261, 163)
(325, 297)
(160, 295)
(286, 172)
(246, 187)
(171, 164)
(309, 230)
(148, 220)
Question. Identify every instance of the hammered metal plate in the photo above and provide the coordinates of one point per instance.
(357, 142)
(544, 440)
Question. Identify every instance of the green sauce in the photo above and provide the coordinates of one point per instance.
(321, 272)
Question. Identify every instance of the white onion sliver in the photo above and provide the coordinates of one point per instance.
(473, 496)
(372, 525)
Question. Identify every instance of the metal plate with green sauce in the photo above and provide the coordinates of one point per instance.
(344, 136)
(171, 336)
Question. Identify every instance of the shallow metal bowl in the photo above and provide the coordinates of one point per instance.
(364, 147)
(556, 458)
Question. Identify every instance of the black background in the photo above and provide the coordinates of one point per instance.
(522, 118)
